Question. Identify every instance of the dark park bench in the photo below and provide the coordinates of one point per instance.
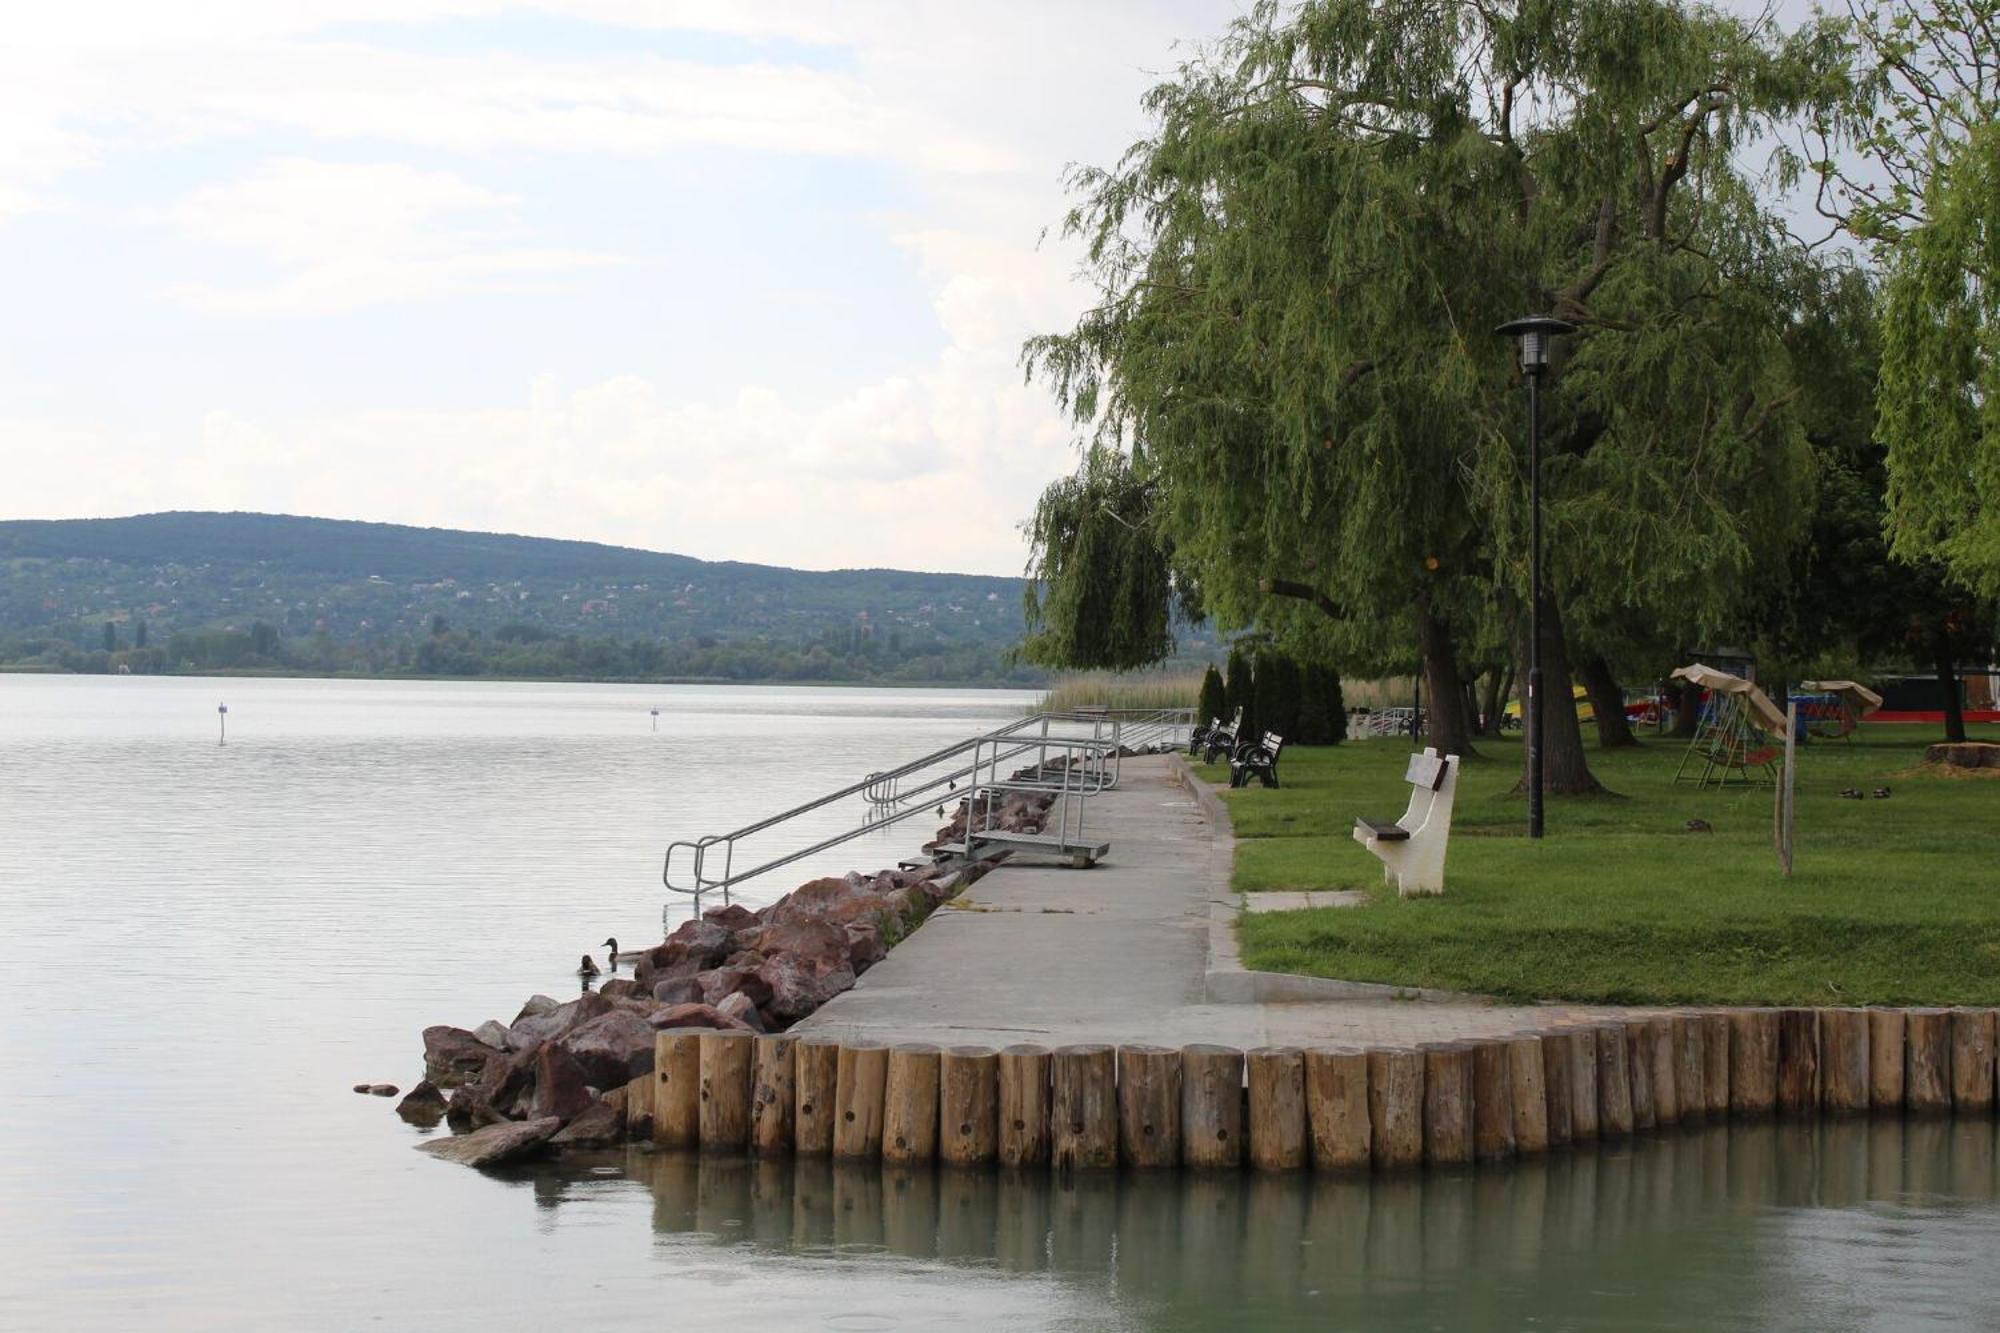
(1259, 760)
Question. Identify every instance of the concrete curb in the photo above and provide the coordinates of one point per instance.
(1227, 981)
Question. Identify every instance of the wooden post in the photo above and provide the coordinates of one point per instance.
(969, 1106)
(1277, 1108)
(1492, 1101)
(910, 1105)
(860, 1079)
(773, 1095)
(1211, 1106)
(1559, 1100)
(1584, 1117)
(1024, 1106)
(1690, 1067)
(1843, 1060)
(1753, 1062)
(1927, 1061)
(1972, 1061)
(1448, 1092)
(1666, 1058)
(815, 1074)
(1083, 1108)
(725, 1091)
(1798, 1062)
(1639, 1073)
(1337, 1108)
(1885, 1059)
(1530, 1095)
(1614, 1083)
(1715, 1062)
(1149, 1106)
(1396, 1108)
(677, 1091)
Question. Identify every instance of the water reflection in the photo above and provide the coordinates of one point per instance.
(1776, 1225)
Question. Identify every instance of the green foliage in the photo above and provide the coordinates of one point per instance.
(1240, 691)
(1278, 691)
(1213, 701)
(1102, 589)
(1619, 904)
(1322, 714)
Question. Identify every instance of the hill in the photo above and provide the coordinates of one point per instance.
(374, 596)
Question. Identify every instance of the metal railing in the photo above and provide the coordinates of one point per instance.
(1071, 755)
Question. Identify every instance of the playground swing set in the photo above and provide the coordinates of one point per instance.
(1740, 734)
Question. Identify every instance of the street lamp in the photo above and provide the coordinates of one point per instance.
(1534, 334)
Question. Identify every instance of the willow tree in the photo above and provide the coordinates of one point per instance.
(1925, 119)
(1300, 270)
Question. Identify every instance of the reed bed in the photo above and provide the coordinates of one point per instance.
(1108, 689)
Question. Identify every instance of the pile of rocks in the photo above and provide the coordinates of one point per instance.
(558, 1074)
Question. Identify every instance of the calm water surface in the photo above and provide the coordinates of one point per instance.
(208, 944)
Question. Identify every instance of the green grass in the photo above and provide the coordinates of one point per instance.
(1892, 901)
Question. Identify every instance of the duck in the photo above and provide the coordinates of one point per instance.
(619, 959)
(586, 968)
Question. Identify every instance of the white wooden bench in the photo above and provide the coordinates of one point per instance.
(1412, 849)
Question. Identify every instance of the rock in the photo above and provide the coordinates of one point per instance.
(696, 1016)
(681, 990)
(528, 1033)
(619, 988)
(819, 944)
(453, 1056)
(747, 959)
(361, 1087)
(865, 947)
(423, 1107)
(538, 1005)
(837, 901)
(740, 1007)
(599, 1126)
(720, 982)
(561, 1088)
(468, 1110)
(383, 1089)
(509, 1080)
(492, 1033)
(495, 1143)
(612, 1049)
(798, 988)
(733, 917)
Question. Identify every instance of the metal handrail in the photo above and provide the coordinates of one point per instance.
(1088, 765)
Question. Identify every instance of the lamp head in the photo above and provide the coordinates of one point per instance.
(1534, 333)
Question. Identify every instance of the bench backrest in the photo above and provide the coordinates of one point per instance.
(1273, 742)
(1426, 771)
(1433, 787)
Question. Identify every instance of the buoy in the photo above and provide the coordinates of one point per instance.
(222, 724)
(656, 719)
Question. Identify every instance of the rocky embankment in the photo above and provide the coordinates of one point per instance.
(558, 1075)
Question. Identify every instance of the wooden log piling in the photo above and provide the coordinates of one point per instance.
(860, 1079)
(1584, 1115)
(1024, 1106)
(1526, 1073)
(1972, 1061)
(1798, 1062)
(1639, 1074)
(1492, 1102)
(1666, 1062)
(724, 1117)
(1396, 1108)
(1149, 1106)
(1715, 1062)
(1753, 1063)
(677, 1088)
(1844, 1066)
(1211, 1106)
(1448, 1105)
(1559, 1098)
(1337, 1109)
(910, 1105)
(773, 1094)
(1927, 1061)
(1614, 1083)
(1885, 1060)
(1690, 1067)
(968, 1106)
(1277, 1110)
(1083, 1108)
(815, 1074)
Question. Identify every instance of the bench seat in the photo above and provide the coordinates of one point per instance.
(1382, 830)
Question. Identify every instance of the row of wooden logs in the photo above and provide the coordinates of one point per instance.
(1285, 1108)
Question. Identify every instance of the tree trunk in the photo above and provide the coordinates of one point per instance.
(1448, 729)
(1565, 770)
(1475, 719)
(1687, 709)
(1947, 674)
(1489, 709)
(1607, 701)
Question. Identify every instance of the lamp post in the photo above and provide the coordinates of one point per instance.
(1533, 335)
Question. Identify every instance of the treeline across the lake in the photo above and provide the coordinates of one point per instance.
(523, 652)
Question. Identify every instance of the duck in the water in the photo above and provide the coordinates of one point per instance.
(612, 944)
(586, 968)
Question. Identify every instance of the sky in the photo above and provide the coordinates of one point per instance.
(738, 279)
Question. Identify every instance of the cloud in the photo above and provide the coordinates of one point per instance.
(344, 235)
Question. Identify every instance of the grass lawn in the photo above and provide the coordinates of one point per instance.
(1892, 901)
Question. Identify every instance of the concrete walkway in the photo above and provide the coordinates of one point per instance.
(1138, 948)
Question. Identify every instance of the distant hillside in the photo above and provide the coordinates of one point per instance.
(327, 582)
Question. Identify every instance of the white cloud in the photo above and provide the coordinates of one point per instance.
(343, 235)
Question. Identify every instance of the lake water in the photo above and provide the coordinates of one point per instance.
(207, 944)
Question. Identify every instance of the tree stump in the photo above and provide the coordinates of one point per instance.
(1149, 1106)
(1277, 1078)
